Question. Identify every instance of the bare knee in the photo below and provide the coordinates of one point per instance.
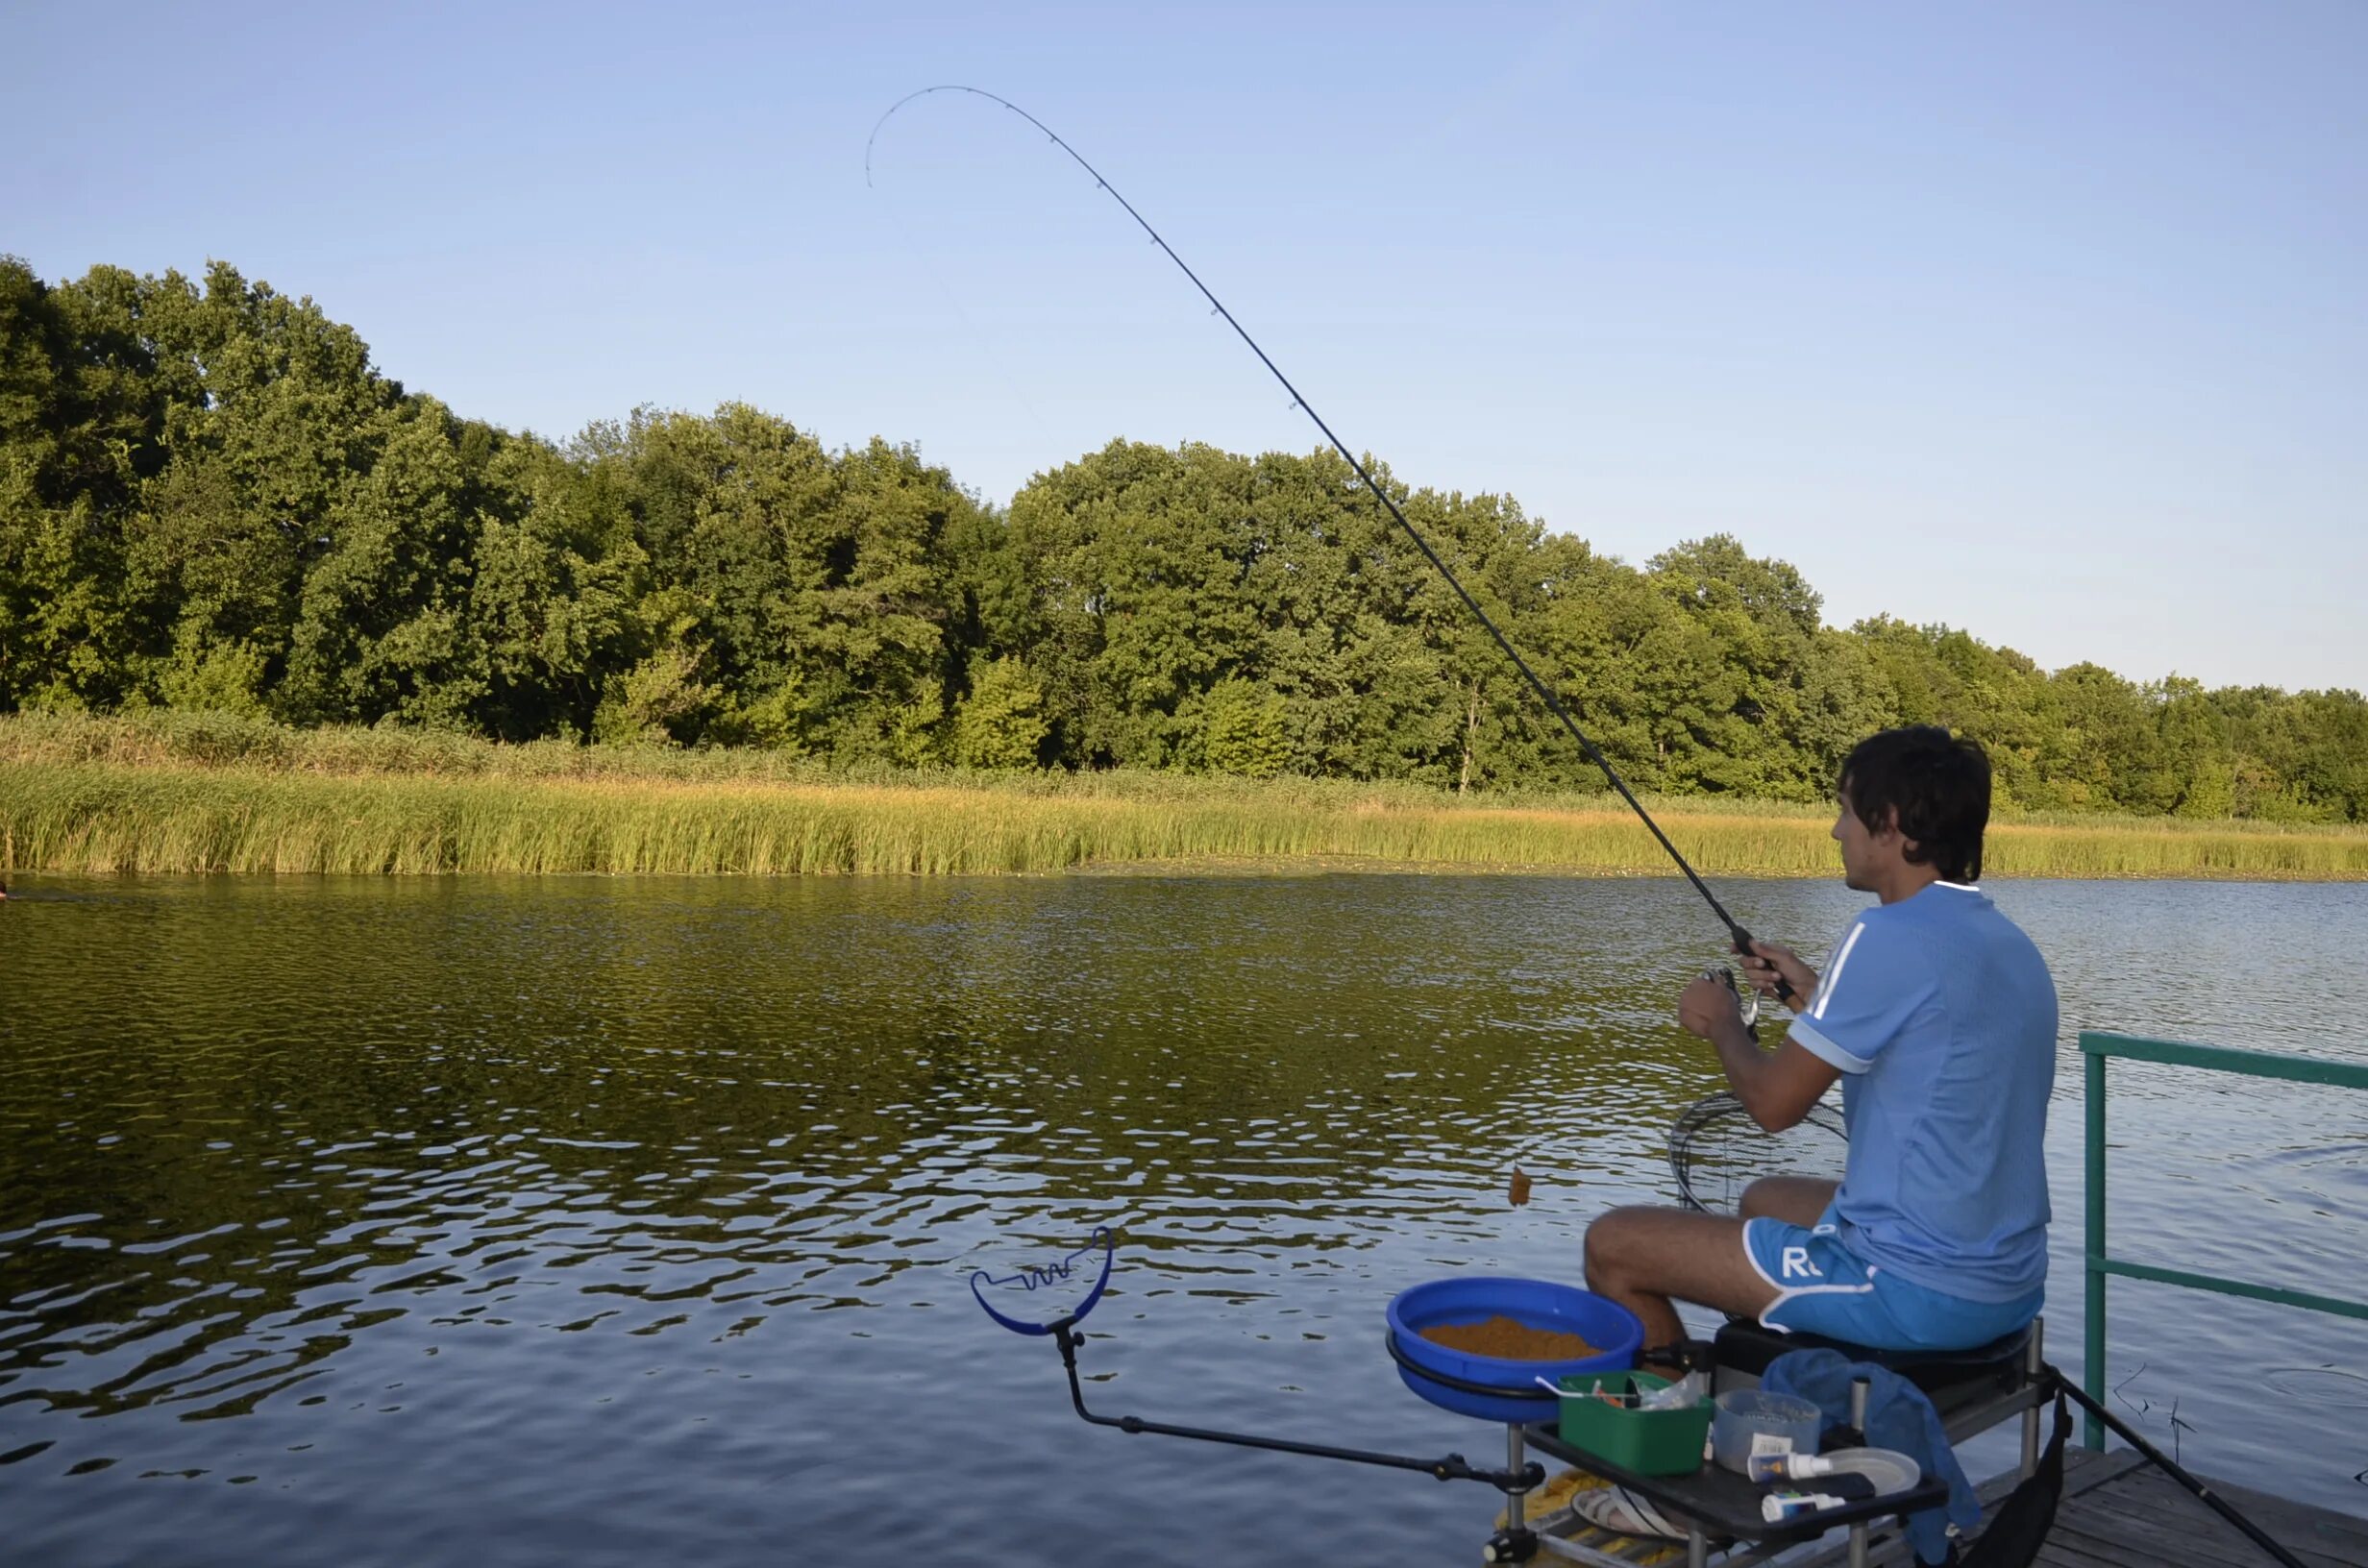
(1612, 1240)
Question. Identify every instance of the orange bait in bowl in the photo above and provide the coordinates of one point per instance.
(1509, 1339)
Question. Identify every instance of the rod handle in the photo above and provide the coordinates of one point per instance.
(1785, 993)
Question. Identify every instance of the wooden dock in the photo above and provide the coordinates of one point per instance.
(2119, 1511)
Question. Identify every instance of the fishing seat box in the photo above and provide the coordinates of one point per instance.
(1957, 1383)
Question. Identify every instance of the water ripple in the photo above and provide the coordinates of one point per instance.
(614, 1220)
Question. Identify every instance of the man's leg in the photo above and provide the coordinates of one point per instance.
(1796, 1200)
(1643, 1257)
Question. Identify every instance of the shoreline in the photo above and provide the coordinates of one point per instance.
(109, 816)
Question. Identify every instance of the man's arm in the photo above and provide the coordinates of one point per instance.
(1776, 1086)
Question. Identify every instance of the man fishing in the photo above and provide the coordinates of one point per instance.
(1939, 1010)
(1939, 1016)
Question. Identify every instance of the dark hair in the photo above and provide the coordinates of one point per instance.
(1938, 783)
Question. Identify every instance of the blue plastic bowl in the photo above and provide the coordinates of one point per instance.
(1513, 1393)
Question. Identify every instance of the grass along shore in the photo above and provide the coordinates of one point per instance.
(177, 793)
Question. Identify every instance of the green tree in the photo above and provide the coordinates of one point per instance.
(556, 577)
(80, 399)
(816, 585)
(1001, 722)
(2106, 752)
(1757, 621)
(1242, 730)
(210, 498)
(1138, 554)
(381, 630)
(659, 701)
(1330, 578)
(2195, 752)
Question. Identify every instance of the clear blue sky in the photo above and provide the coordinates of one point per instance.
(2047, 321)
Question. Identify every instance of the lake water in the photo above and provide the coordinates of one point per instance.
(627, 1221)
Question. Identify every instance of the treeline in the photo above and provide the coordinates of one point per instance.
(210, 500)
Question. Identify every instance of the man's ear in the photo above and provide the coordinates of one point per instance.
(1910, 851)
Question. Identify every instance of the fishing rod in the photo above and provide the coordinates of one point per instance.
(1741, 937)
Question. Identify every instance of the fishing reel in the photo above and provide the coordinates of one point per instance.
(1746, 999)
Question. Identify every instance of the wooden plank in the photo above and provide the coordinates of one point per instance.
(2149, 1506)
(2084, 1528)
(2324, 1529)
(2059, 1551)
(2124, 1539)
(2084, 1470)
(2056, 1553)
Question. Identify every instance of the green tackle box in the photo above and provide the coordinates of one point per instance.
(1649, 1442)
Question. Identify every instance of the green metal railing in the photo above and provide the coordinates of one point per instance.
(2096, 1049)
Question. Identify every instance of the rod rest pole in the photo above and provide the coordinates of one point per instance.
(1450, 1467)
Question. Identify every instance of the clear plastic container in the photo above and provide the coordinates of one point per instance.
(1749, 1422)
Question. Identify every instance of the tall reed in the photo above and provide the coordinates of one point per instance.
(113, 816)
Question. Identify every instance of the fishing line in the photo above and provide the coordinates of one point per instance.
(1741, 937)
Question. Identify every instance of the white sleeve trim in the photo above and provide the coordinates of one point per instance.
(1805, 1035)
(1832, 978)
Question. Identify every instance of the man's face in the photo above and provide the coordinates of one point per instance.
(1861, 850)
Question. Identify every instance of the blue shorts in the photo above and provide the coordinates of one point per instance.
(1824, 1288)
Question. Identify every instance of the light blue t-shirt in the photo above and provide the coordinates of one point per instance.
(1942, 1016)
